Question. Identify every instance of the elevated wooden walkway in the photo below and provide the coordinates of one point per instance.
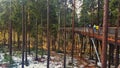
(97, 33)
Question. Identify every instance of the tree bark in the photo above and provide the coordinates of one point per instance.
(28, 19)
(18, 41)
(65, 9)
(23, 35)
(26, 60)
(105, 31)
(36, 56)
(10, 37)
(48, 36)
(73, 22)
(29, 43)
(4, 33)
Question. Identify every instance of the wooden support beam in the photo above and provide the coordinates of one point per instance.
(81, 48)
(97, 47)
(91, 49)
(111, 55)
(84, 43)
(117, 49)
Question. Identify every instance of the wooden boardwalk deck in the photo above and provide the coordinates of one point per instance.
(98, 35)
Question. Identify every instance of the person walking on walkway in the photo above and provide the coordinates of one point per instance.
(94, 28)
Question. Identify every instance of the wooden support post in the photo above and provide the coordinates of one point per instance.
(97, 47)
(84, 43)
(91, 49)
(109, 57)
(100, 44)
(112, 54)
(117, 49)
(75, 44)
(111, 51)
(79, 45)
(81, 48)
(116, 38)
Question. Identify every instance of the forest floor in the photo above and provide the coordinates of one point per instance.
(56, 61)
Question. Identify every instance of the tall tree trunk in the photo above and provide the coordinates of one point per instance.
(48, 36)
(23, 35)
(41, 36)
(73, 21)
(36, 57)
(14, 41)
(53, 44)
(26, 60)
(29, 43)
(28, 20)
(105, 31)
(59, 31)
(81, 48)
(116, 39)
(98, 16)
(4, 32)
(18, 40)
(65, 9)
(10, 37)
(116, 48)
(10, 41)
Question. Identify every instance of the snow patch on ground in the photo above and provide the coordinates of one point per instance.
(55, 61)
